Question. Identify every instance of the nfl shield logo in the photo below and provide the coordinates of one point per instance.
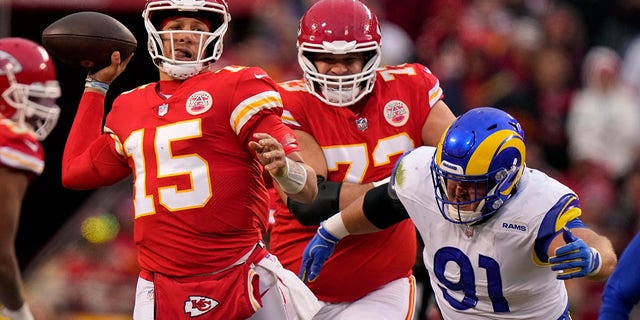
(362, 124)
(468, 231)
(162, 109)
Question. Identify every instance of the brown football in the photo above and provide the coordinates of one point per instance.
(85, 40)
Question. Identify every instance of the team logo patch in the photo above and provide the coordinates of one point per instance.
(199, 102)
(199, 305)
(516, 226)
(396, 113)
(289, 141)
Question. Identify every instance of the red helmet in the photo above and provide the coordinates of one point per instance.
(339, 27)
(28, 86)
(215, 12)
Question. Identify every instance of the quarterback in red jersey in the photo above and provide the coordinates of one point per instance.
(353, 121)
(28, 113)
(197, 143)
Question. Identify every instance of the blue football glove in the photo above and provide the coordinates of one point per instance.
(318, 250)
(575, 259)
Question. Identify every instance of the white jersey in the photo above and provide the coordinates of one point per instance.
(498, 269)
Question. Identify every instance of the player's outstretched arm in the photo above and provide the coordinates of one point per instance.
(333, 196)
(87, 162)
(321, 246)
(371, 212)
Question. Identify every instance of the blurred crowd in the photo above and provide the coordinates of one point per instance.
(574, 84)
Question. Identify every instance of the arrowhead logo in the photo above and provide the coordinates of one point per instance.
(199, 305)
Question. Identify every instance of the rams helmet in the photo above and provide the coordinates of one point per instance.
(485, 150)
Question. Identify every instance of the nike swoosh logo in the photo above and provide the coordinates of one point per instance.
(259, 76)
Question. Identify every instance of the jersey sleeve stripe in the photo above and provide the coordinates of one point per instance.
(254, 301)
(565, 210)
(435, 94)
(19, 160)
(117, 144)
(252, 105)
(288, 119)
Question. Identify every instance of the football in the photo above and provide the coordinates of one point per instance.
(85, 40)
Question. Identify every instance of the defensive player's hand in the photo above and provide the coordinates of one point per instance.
(318, 250)
(270, 153)
(111, 72)
(575, 259)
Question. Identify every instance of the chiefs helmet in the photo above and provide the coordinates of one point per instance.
(215, 12)
(484, 147)
(28, 86)
(339, 27)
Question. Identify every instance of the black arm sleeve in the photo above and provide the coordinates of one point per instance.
(381, 209)
(326, 204)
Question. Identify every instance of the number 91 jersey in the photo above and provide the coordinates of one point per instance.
(497, 269)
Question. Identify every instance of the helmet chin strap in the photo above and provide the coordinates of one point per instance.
(464, 216)
(182, 71)
(344, 97)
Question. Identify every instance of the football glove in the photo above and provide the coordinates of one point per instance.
(575, 259)
(318, 250)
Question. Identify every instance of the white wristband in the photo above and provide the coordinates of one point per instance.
(294, 178)
(24, 313)
(598, 259)
(381, 182)
(336, 226)
(96, 84)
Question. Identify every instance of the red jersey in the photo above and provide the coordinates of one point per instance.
(19, 149)
(199, 197)
(359, 148)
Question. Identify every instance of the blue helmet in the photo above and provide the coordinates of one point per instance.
(483, 148)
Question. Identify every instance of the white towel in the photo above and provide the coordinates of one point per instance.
(304, 301)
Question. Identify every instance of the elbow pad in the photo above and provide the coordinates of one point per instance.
(381, 209)
(326, 204)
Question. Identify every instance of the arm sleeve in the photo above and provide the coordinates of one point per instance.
(326, 204)
(272, 125)
(381, 209)
(89, 161)
(622, 291)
